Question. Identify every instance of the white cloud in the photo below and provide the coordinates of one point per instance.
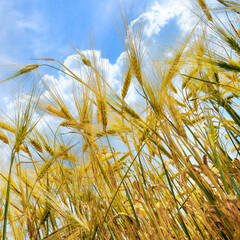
(159, 15)
(110, 72)
(132, 95)
(31, 22)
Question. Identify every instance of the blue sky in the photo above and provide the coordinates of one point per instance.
(47, 28)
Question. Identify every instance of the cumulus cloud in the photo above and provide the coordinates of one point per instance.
(109, 71)
(159, 15)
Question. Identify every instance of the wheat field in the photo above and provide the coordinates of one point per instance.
(166, 169)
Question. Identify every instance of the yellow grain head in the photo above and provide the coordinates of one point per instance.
(29, 68)
(66, 113)
(4, 138)
(111, 175)
(205, 9)
(44, 168)
(49, 149)
(22, 148)
(136, 68)
(130, 111)
(232, 198)
(177, 119)
(86, 62)
(205, 162)
(36, 145)
(102, 107)
(236, 162)
(7, 127)
(127, 82)
(25, 70)
(213, 134)
(54, 111)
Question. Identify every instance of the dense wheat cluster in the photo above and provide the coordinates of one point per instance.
(169, 169)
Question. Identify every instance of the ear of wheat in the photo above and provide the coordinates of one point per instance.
(7, 127)
(127, 82)
(4, 138)
(204, 7)
(136, 68)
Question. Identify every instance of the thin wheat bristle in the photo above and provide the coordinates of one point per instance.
(127, 82)
(4, 138)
